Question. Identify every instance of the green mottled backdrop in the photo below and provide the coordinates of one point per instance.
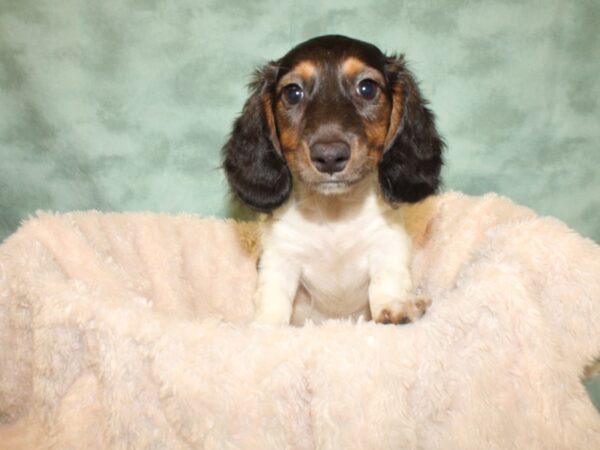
(124, 104)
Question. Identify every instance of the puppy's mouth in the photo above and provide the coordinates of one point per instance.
(332, 187)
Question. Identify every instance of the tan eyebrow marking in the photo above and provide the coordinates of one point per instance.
(304, 70)
(352, 67)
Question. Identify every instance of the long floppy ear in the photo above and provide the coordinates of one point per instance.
(254, 166)
(410, 167)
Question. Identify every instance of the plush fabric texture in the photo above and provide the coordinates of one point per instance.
(122, 331)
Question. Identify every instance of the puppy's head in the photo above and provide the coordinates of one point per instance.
(327, 114)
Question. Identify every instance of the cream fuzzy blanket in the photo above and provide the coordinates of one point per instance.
(130, 331)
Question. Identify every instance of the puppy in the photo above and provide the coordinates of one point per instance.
(334, 136)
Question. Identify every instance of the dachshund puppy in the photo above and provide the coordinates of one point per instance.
(334, 136)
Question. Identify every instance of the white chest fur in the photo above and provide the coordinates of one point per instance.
(322, 256)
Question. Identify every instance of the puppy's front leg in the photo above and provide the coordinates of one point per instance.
(276, 288)
(390, 285)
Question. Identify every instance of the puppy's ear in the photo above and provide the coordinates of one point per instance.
(410, 167)
(254, 166)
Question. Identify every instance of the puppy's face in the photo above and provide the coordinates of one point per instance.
(332, 111)
(327, 114)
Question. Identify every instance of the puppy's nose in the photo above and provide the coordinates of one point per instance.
(330, 157)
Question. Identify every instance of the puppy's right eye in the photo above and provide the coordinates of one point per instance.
(293, 94)
(367, 89)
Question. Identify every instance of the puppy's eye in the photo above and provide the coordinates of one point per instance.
(367, 89)
(293, 94)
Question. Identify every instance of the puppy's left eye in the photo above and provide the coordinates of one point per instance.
(293, 94)
(367, 89)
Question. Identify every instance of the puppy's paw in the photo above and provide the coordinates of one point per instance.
(271, 317)
(272, 309)
(401, 312)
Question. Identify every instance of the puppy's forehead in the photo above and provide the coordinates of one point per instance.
(342, 51)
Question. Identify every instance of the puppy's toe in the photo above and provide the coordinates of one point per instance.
(401, 312)
(421, 305)
(392, 315)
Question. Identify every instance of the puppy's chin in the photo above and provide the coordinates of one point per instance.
(333, 187)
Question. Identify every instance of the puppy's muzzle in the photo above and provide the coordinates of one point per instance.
(330, 157)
